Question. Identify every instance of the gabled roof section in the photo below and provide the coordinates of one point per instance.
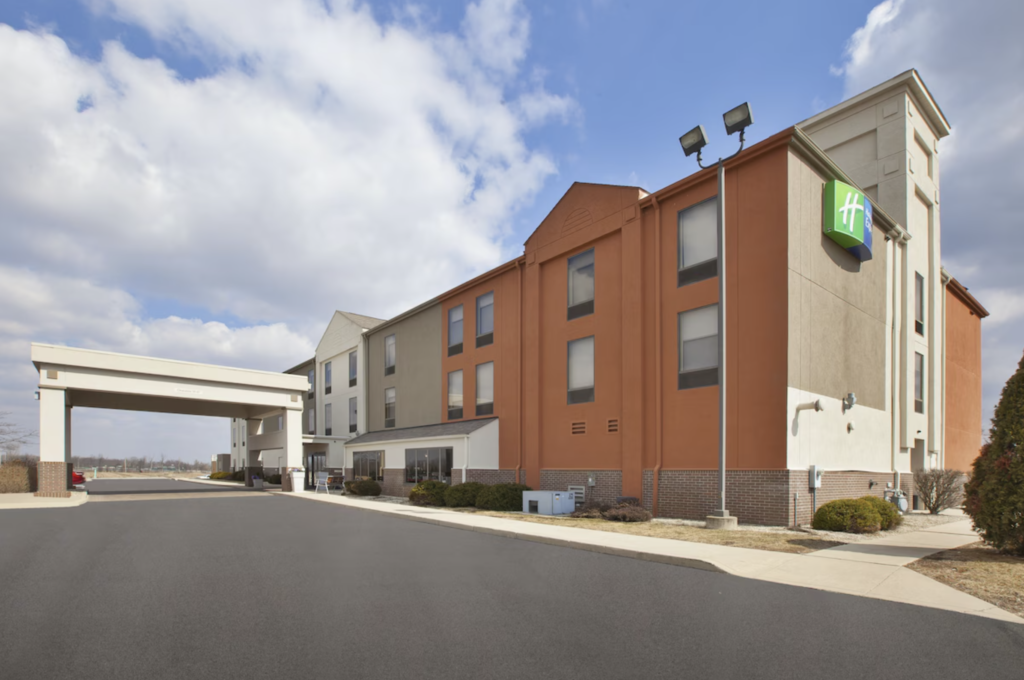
(908, 80)
(299, 368)
(364, 322)
(581, 207)
(457, 429)
(960, 291)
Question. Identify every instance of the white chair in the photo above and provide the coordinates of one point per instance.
(322, 479)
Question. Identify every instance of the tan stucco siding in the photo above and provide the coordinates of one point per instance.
(417, 376)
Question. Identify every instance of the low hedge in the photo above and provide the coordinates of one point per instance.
(272, 479)
(502, 497)
(221, 475)
(428, 492)
(852, 515)
(463, 495)
(17, 476)
(891, 517)
(363, 487)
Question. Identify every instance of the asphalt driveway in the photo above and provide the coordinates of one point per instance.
(108, 487)
(276, 587)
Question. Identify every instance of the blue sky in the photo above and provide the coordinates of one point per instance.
(241, 165)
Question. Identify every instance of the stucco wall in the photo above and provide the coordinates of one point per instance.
(417, 376)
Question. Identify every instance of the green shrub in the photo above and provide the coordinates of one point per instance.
(627, 512)
(17, 475)
(502, 497)
(463, 495)
(994, 496)
(349, 486)
(273, 479)
(220, 475)
(366, 487)
(891, 517)
(428, 492)
(238, 476)
(852, 515)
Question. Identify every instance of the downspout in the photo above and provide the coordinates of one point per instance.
(465, 461)
(519, 379)
(657, 352)
(942, 453)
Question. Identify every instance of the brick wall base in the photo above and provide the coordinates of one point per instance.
(608, 483)
(394, 483)
(485, 476)
(759, 496)
(54, 479)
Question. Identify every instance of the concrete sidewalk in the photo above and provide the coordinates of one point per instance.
(21, 501)
(869, 569)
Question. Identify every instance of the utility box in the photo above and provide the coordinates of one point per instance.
(814, 477)
(549, 502)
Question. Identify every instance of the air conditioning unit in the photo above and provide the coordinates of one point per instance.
(549, 502)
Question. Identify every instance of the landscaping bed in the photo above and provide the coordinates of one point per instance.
(759, 538)
(979, 571)
(915, 521)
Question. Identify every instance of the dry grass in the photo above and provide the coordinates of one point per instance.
(779, 540)
(979, 571)
(169, 474)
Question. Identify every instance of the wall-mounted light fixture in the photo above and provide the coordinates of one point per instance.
(849, 401)
(37, 395)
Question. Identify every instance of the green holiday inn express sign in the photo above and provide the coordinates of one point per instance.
(847, 218)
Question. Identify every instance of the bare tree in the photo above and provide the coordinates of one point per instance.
(13, 436)
(939, 489)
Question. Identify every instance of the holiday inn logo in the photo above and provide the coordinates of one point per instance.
(847, 218)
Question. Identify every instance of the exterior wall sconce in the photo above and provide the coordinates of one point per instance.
(849, 401)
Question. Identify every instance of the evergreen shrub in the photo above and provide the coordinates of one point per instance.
(463, 495)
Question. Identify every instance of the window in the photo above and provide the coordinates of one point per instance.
(389, 407)
(311, 421)
(919, 304)
(389, 354)
(327, 420)
(918, 382)
(312, 382)
(367, 465)
(327, 378)
(485, 389)
(353, 414)
(581, 284)
(485, 319)
(698, 242)
(455, 331)
(454, 395)
(698, 347)
(581, 370)
(353, 368)
(423, 464)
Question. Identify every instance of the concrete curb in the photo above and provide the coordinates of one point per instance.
(77, 498)
(689, 562)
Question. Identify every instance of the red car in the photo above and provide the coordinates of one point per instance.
(77, 478)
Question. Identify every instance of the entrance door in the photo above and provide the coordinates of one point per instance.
(316, 461)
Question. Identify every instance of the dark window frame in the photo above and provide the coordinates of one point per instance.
(328, 375)
(353, 368)
(486, 408)
(389, 369)
(584, 307)
(352, 427)
(699, 271)
(919, 369)
(919, 303)
(580, 395)
(484, 339)
(694, 378)
(456, 348)
(390, 422)
(328, 420)
(456, 412)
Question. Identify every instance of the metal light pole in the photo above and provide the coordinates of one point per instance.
(736, 120)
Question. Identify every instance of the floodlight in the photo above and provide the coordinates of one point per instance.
(738, 119)
(694, 140)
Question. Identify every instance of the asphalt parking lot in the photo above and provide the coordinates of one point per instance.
(277, 587)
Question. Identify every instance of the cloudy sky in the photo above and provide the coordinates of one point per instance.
(208, 179)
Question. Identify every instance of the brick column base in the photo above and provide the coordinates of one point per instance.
(53, 479)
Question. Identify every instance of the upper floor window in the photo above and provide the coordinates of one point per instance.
(389, 354)
(353, 368)
(919, 303)
(918, 382)
(327, 420)
(485, 319)
(312, 381)
(698, 347)
(390, 407)
(581, 284)
(353, 414)
(485, 389)
(455, 331)
(698, 242)
(327, 378)
(454, 395)
(311, 421)
(581, 370)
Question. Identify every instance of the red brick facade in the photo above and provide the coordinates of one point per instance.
(607, 483)
(54, 479)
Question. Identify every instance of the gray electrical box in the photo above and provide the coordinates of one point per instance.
(549, 502)
(814, 477)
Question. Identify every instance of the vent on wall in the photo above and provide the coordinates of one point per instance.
(579, 428)
(613, 425)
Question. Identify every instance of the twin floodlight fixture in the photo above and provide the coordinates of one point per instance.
(736, 120)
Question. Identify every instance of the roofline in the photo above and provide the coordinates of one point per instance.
(404, 315)
(485, 421)
(301, 363)
(960, 291)
(500, 269)
(645, 193)
(912, 78)
(365, 316)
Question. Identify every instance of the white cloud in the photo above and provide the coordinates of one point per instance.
(969, 55)
(329, 159)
